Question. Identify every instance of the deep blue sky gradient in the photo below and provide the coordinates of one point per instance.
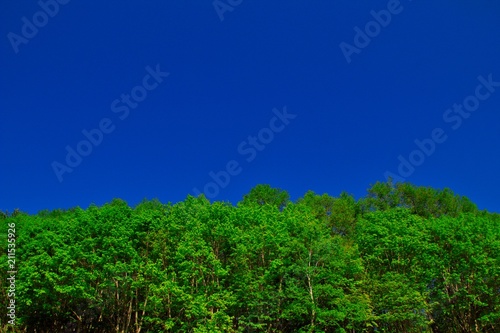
(226, 77)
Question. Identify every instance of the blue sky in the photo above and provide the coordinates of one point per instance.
(161, 99)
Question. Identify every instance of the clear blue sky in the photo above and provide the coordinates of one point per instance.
(353, 106)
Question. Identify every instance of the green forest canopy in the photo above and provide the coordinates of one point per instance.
(402, 259)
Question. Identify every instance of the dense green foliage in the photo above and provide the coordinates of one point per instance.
(403, 259)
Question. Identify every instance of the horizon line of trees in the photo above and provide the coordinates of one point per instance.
(402, 259)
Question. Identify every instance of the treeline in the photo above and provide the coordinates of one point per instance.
(402, 259)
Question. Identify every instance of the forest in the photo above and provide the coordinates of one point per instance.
(403, 258)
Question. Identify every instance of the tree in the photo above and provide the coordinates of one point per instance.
(421, 200)
(394, 248)
(339, 214)
(264, 194)
(403, 259)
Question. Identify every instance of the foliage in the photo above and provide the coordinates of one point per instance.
(264, 194)
(402, 259)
